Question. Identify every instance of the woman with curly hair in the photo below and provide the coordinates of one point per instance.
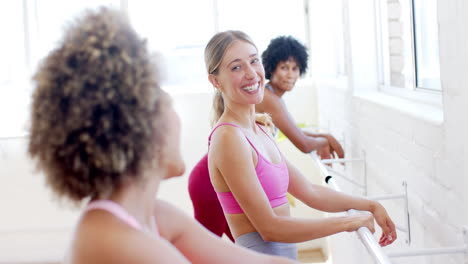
(285, 60)
(106, 135)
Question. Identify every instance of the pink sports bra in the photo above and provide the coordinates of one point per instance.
(115, 209)
(274, 179)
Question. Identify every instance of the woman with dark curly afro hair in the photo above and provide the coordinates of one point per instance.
(105, 134)
(285, 60)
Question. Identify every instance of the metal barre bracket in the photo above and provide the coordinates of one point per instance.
(406, 229)
(404, 196)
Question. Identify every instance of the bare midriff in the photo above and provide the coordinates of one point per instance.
(240, 223)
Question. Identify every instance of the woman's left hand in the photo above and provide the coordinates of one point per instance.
(389, 234)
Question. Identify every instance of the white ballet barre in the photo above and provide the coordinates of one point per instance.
(368, 239)
(403, 195)
(364, 233)
(343, 176)
(435, 251)
(429, 251)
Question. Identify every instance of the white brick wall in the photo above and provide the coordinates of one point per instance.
(403, 145)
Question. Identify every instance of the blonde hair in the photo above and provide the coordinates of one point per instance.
(214, 54)
(97, 110)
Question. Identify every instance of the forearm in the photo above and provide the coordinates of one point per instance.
(327, 200)
(295, 230)
(307, 144)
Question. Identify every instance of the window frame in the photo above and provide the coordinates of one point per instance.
(415, 93)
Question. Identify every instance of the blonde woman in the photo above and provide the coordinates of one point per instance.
(250, 175)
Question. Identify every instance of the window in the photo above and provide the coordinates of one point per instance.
(327, 38)
(263, 20)
(426, 44)
(32, 28)
(179, 33)
(408, 45)
(179, 30)
(46, 29)
(13, 50)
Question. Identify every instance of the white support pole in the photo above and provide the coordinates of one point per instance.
(408, 224)
(368, 240)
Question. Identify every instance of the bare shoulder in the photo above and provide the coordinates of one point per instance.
(270, 104)
(225, 141)
(226, 133)
(101, 238)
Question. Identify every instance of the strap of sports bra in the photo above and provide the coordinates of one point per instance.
(230, 124)
(270, 139)
(116, 210)
(269, 87)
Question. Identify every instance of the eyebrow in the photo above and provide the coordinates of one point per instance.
(236, 60)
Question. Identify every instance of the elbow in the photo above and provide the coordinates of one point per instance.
(267, 235)
(304, 147)
(306, 150)
(271, 233)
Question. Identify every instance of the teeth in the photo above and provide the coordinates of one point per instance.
(251, 88)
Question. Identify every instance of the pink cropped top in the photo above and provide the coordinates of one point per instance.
(274, 179)
(116, 210)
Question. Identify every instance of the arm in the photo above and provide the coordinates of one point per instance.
(101, 238)
(306, 142)
(200, 246)
(335, 146)
(275, 106)
(328, 200)
(234, 157)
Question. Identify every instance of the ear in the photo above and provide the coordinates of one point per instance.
(214, 80)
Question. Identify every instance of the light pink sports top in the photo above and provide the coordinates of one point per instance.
(116, 210)
(274, 179)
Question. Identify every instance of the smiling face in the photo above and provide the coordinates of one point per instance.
(241, 75)
(285, 75)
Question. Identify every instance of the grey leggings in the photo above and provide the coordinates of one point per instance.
(255, 242)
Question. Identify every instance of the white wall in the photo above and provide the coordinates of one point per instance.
(407, 141)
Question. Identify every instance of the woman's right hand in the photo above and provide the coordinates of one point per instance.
(323, 150)
(335, 147)
(360, 220)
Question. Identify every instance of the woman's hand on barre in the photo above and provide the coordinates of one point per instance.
(383, 220)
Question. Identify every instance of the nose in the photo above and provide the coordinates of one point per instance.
(291, 74)
(250, 72)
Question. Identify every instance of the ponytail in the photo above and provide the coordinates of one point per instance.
(218, 107)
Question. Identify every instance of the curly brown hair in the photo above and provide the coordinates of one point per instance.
(97, 110)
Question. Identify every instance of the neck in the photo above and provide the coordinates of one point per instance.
(244, 115)
(277, 91)
(138, 198)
